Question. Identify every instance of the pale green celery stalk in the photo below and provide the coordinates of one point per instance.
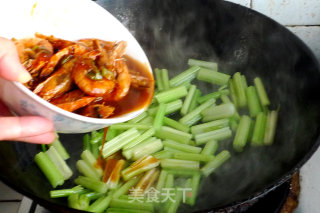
(259, 130)
(214, 95)
(173, 206)
(233, 93)
(194, 101)
(165, 79)
(187, 101)
(219, 134)
(209, 126)
(169, 181)
(66, 192)
(234, 123)
(226, 100)
(175, 124)
(145, 135)
(127, 153)
(147, 120)
(138, 118)
(240, 90)
(193, 157)
(181, 147)
(218, 112)
(144, 149)
(96, 137)
(163, 154)
(48, 168)
(171, 94)
(244, 82)
(271, 127)
(201, 63)
(179, 164)
(129, 204)
(144, 164)
(210, 148)
(59, 162)
(193, 120)
(161, 180)
(119, 142)
(80, 202)
(172, 106)
(94, 195)
(182, 173)
(60, 148)
(194, 113)
(242, 133)
(172, 150)
(195, 182)
(212, 76)
(158, 119)
(126, 126)
(89, 158)
(124, 189)
(186, 76)
(91, 183)
(188, 186)
(253, 101)
(101, 204)
(264, 100)
(87, 170)
(111, 133)
(95, 149)
(169, 133)
(158, 78)
(86, 142)
(218, 160)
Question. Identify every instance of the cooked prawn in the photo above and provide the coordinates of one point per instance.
(98, 111)
(81, 72)
(58, 83)
(57, 43)
(34, 53)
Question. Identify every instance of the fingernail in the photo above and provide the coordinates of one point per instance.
(24, 77)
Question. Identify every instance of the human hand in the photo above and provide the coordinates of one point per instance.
(31, 129)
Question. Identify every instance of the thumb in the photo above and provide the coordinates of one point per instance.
(10, 66)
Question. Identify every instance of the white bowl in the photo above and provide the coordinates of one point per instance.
(71, 20)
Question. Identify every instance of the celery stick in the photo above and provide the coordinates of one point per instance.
(205, 64)
(186, 104)
(147, 120)
(240, 90)
(165, 79)
(48, 168)
(124, 189)
(131, 204)
(158, 120)
(214, 95)
(209, 126)
(179, 164)
(111, 133)
(66, 192)
(163, 154)
(60, 148)
(193, 120)
(126, 126)
(172, 150)
(219, 159)
(195, 182)
(91, 183)
(119, 142)
(169, 133)
(100, 205)
(169, 181)
(218, 112)
(158, 78)
(94, 195)
(186, 76)
(219, 134)
(77, 201)
(259, 130)
(212, 76)
(271, 126)
(253, 101)
(242, 133)
(86, 142)
(88, 157)
(181, 147)
(147, 134)
(161, 180)
(144, 149)
(233, 93)
(264, 100)
(95, 149)
(193, 157)
(173, 206)
(171, 94)
(172, 106)
(147, 180)
(210, 148)
(244, 82)
(59, 162)
(175, 124)
(138, 118)
(194, 101)
(127, 153)
(87, 170)
(182, 172)
(194, 113)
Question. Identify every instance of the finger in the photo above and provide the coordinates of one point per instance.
(21, 127)
(4, 110)
(45, 138)
(10, 66)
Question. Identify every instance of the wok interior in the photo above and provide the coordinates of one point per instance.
(238, 39)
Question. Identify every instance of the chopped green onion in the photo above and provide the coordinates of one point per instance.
(91, 183)
(171, 94)
(212, 76)
(219, 159)
(264, 100)
(182, 147)
(219, 134)
(218, 112)
(169, 133)
(259, 130)
(270, 127)
(186, 76)
(205, 64)
(242, 133)
(253, 101)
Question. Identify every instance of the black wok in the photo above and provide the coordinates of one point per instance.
(239, 39)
